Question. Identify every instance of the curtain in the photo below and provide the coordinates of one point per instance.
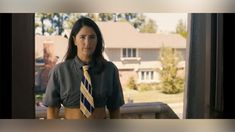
(204, 84)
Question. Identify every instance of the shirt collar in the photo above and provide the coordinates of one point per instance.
(79, 63)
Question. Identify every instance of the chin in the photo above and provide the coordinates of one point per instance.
(88, 53)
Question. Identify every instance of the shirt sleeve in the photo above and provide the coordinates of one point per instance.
(116, 100)
(52, 95)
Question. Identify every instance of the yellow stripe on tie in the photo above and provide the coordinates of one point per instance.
(87, 95)
(84, 110)
(87, 76)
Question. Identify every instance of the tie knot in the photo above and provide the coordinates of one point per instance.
(85, 67)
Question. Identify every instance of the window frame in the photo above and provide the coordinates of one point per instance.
(127, 52)
(151, 77)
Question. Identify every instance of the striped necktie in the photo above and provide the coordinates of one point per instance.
(86, 99)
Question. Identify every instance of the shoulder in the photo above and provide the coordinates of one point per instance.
(110, 66)
(62, 66)
(104, 66)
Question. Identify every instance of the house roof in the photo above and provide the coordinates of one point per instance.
(153, 40)
(124, 35)
(117, 34)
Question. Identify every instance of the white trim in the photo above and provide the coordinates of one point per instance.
(137, 52)
(131, 52)
(147, 78)
(187, 53)
(131, 58)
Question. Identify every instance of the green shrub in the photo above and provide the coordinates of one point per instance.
(131, 84)
(148, 86)
(39, 97)
(173, 86)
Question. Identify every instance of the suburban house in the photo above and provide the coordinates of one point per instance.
(135, 54)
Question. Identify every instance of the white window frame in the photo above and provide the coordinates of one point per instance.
(126, 50)
(147, 76)
(137, 58)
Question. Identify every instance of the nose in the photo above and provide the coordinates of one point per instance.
(87, 41)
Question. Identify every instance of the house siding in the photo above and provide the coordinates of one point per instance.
(125, 76)
(113, 54)
(149, 54)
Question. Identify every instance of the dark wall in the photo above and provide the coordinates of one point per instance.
(17, 66)
(5, 65)
(229, 66)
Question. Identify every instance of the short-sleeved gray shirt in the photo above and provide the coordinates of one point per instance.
(64, 85)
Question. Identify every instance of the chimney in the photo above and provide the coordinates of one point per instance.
(49, 53)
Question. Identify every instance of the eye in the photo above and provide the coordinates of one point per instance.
(82, 37)
(92, 36)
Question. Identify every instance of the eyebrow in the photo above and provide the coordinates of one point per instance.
(91, 35)
(87, 35)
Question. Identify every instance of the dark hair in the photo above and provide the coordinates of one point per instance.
(72, 49)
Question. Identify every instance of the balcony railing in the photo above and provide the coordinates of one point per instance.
(151, 110)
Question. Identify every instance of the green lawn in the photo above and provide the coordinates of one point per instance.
(152, 96)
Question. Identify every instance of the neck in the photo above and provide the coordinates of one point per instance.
(85, 60)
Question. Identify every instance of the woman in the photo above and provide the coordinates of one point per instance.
(68, 78)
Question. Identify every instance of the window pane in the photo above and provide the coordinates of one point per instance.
(124, 52)
(129, 52)
(142, 75)
(151, 75)
(134, 52)
(147, 75)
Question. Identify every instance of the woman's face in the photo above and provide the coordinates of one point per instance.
(86, 41)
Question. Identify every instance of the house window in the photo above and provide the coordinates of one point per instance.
(129, 52)
(151, 76)
(147, 76)
(142, 75)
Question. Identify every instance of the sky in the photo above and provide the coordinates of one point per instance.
(167, 21)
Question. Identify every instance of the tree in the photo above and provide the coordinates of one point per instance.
(73, 17)
(51, 23)
(140, 23)
(137, 20)
(93, 16)
(170, 82)
(106, 17)
(42, 17)
(181, 28)
(55, 23)
(149, 27)
(58, 20)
